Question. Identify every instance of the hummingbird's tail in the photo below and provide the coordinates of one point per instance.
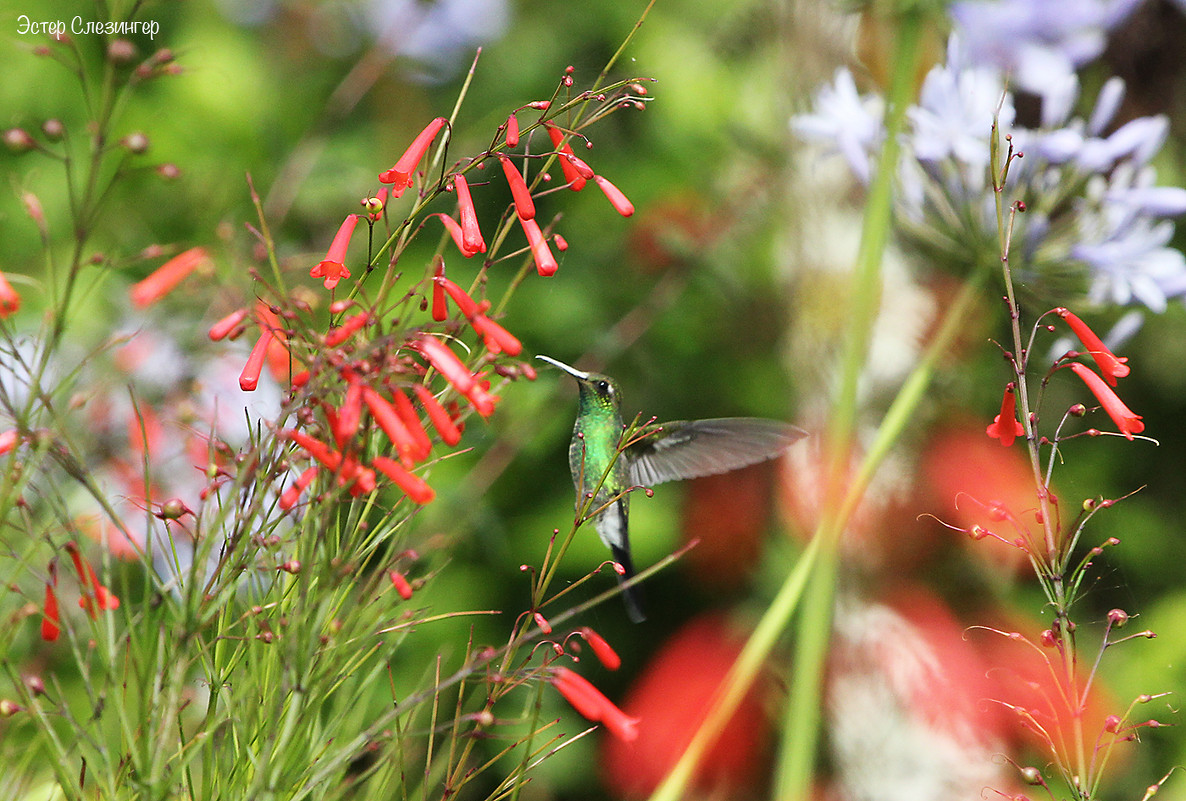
(632, 596)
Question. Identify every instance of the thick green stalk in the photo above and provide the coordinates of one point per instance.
(796, 764)
(815, 570)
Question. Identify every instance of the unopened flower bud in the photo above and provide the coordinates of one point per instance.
(53, 129)
(1078, 410)
(135, 143)
(173, 509)
(1117, 617)
(121, 51)
(18, 140)
(1031, 775)
(8, 708)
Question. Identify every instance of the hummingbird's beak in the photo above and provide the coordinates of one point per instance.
(572, 371)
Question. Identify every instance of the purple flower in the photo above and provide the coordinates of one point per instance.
(1037, 43)
(1094, 212)
(845, 121)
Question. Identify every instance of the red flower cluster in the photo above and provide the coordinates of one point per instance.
(95, 597)
(1112, 367)
(1005, 427)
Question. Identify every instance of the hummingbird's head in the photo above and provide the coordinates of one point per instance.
(595, 388)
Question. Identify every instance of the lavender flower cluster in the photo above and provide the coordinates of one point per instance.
(1095, 213)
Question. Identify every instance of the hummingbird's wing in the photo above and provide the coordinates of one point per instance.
(693, 448)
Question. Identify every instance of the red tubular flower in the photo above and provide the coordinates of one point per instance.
(512, 130)
(315, 448)
(95, 597)
(446, 363)
(545, 262)
(413, 486)
(400, 176)
(601, 649)
(361, 479)
(441, 421)
(483, 402)
(8, 440)
(467, 305)
(1121, 415)
(670, 698)
(1005, 426)
(616, 198)
(576, 181)
(249, 378)
(51, 621)
(10, 301)
(291, 495)
(391, 423)
(332, 267)
(349, 415)
(401, 584)
(162, 280)
(227, 324)
(471, 234)
(593, 705)
(407, 413)
(440, 309)
(345, 330)
(458, 237)
(497, 338)
(1110, 365)
(520, 194)
(561, 242)
(578, 164)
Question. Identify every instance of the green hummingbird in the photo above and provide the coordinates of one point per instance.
(668, 452)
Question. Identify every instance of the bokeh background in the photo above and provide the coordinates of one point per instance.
(722, 296)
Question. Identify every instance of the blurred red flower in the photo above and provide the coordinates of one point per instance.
(671, 698)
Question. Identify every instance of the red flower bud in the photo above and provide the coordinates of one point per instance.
(593, 705)
(413, 486)
(441, 421)
(616, 198)
(601, 649)
(520, 194)
(512, 130)
(471, 234)
(576, 181)
(545, 262)
(1121, 415)
(162, 281)
(227, 324)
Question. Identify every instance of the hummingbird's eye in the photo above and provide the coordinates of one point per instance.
(603, 387)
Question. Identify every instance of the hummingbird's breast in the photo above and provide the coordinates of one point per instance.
(594, 449)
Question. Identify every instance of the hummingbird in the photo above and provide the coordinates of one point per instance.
(667, 452)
